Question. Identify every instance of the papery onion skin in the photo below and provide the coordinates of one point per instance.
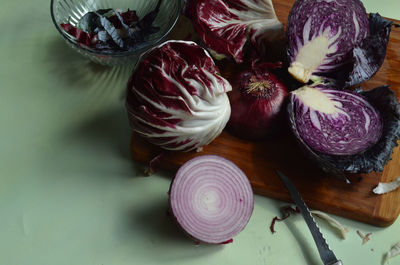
(227, 27)
(257, 100)
(375, 157)
(211, 199)
(176, 97)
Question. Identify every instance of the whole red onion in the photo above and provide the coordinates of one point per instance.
(256, 101)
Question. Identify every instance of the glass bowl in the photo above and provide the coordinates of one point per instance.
(64, 11)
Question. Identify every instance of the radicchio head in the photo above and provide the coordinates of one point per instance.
(176, 97)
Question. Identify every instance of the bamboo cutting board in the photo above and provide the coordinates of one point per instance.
(260, 159)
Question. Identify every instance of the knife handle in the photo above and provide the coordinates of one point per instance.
(336, 263)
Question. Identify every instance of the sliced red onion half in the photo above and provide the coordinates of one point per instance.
(211, 199)
(335, 122)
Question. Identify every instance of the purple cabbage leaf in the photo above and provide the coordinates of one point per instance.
(369, 55)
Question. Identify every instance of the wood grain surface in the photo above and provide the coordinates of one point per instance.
(260, 159)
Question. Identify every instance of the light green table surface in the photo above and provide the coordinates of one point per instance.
(69, 192)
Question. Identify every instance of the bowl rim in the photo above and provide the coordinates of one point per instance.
(116, 53)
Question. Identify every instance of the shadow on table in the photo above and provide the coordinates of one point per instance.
(160, 230)
(102, 123)
(79, 73)
(309, 250)
(106, 131)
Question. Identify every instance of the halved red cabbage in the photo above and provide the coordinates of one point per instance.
(373, 115)
(225, 26)
(335, 122)
(325, 37)
(177, 98)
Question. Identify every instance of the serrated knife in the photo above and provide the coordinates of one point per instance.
(326, 254)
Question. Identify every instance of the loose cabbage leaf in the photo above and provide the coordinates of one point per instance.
(393, 252)
(385, 187)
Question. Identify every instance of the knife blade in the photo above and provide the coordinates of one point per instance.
(326, 254)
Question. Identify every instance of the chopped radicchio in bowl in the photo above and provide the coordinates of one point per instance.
(346, 131)
(111, 30)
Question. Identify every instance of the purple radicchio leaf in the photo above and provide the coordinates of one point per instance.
(90, 21)
(112, 31)
(128, 18)
(369, 55)
(144, 27)
(120, 20)
(82, 38)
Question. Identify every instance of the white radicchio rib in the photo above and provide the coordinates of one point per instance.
(176, 97)
(226, 25)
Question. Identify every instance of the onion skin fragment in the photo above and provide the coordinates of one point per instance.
(211, 199)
